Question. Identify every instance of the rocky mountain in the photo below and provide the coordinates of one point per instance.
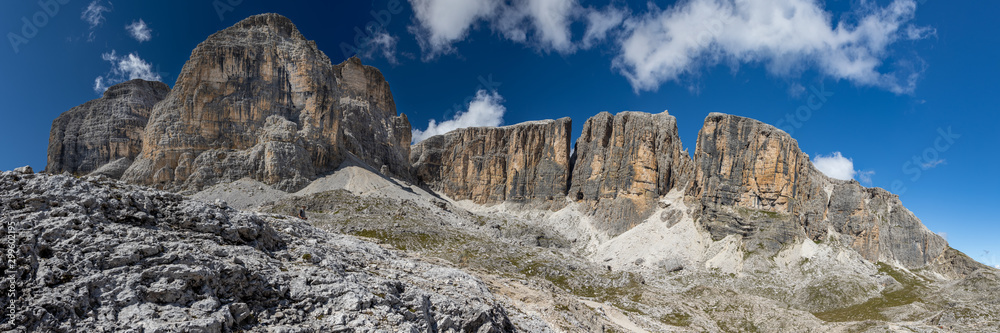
(524, 163)
(105, 134)
(256, 99)
(509, 228)
(753, 180)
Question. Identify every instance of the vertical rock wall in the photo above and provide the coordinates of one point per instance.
(624, 163)
(524, 163)
(105, 133)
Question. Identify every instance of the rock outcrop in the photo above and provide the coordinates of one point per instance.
(105, 132)
(624, 163)
(94, 255)
(259, 100)
(527, 163)
(372, 130)
(752, 180)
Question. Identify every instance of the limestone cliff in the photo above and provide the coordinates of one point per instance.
(752, 179)
(523, 163)
(372, 130)
(259, 100)
(624, 163)
(103, 132)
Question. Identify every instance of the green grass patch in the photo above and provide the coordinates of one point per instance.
(676, 319)
(402, 240)
(872, 309)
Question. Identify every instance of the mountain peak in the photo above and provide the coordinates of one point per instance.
(274, 21)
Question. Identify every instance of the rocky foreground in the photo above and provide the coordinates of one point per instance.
(96, 255)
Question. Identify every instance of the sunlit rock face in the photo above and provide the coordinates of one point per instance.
(526, 163)
(624, 163)
(752, 180)
(259, 100)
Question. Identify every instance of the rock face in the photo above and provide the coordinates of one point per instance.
(104, 132)
(98, 255)
(752, 180)
(259, 100)
(624, 163)
(524, 163)
(372, 130)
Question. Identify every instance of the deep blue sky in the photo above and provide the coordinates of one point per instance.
(953, 60)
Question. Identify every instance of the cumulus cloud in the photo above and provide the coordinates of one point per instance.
(656, 46)
(786, 36)
(443, 22)
(485, 110)
(93, 14)
(124, 68)
(835, 166)
(140, 31)
(439, 24)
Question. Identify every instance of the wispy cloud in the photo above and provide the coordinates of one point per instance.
(124, 68)
(383, 44)
(600, 22)
(865, 177)
(93, 14)
(933, 164)
(140, 31)
(485, 110)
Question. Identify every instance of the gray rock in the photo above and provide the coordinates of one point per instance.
(104, 130)
(753, 180)
(526, 163)
(25, 170)
(93, 254)
(259, 100)
(624, 163)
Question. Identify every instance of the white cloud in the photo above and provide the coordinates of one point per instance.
(914, 32)
(140, 31)
(93, 14)
(933, 164)
(382, 43)
(551, 19)
(485, 110)
(996, 266)
(124, 68)
(865, 177)
(600, 22)
(835, 166)
(786, 36)
(441, 23)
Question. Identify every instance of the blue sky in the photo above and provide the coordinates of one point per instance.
(897, 94)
